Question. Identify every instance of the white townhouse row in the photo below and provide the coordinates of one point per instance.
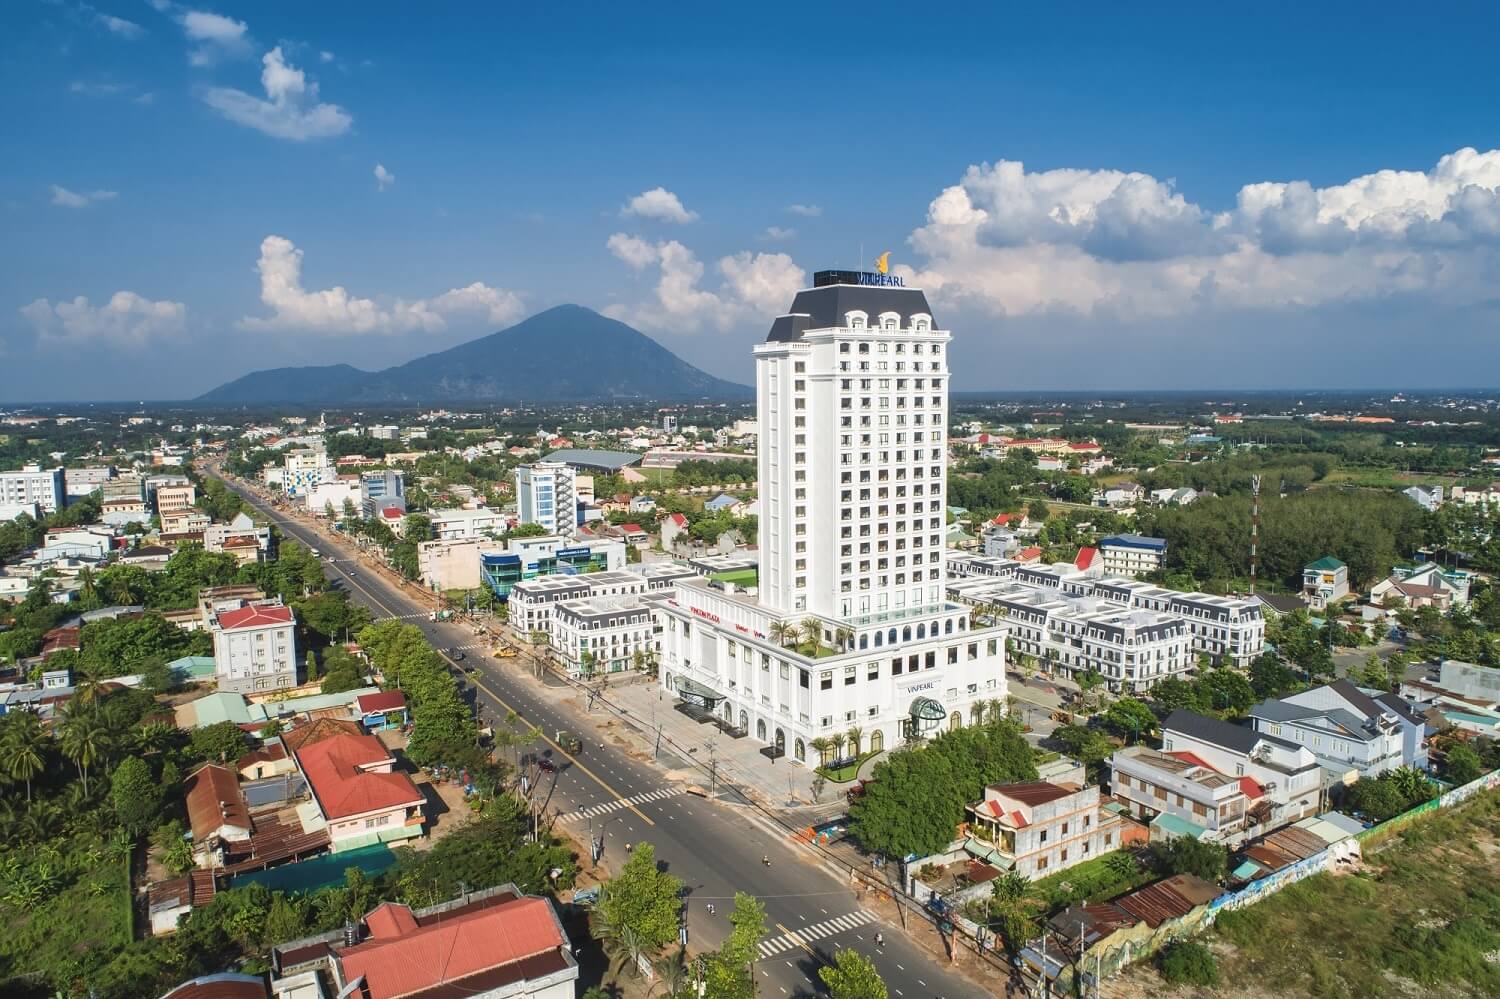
(1229, 630)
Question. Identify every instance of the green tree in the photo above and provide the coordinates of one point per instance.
(1461, 765)
(643, 899)
(135, 794)
(1186, 855)
(1187, 962)
(852, 976)
(1129, 718)
(85, 740)
(221, 742)
(729, 973)
(1270, 677)
(1226, 691)
(23, 745)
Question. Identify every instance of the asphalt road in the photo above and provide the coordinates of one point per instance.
(715, 848)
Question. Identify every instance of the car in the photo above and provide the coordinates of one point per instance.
(459, 657)
(314, 553)
(546, 766)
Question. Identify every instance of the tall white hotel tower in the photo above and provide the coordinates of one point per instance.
(852, 398)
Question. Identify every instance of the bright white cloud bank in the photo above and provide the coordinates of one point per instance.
(290, 109)
(759, 284)
(659, 204)
(126, 318)
(1130, 245)
(334, 311)
(216, 36)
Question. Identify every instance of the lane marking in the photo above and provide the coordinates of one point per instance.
(801, 938)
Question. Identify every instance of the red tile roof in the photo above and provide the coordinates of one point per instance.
(1250, 788)
(386, 700)
(266, 754)
(1085, 557)
(678, 519)
(390, 919)
(334, 770)
(254, 617)
(1029, 554)
(632, 528)
(400, 961)
(392, 513)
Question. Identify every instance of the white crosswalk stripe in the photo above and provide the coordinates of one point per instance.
(605, 807)
(816, 931)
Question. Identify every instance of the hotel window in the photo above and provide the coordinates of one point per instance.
(825, 680)
(803, 680)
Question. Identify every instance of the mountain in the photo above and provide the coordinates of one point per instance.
(566, 354)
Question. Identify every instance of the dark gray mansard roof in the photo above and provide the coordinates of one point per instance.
(820, 308)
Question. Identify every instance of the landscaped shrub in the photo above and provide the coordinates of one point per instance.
(1188, 963)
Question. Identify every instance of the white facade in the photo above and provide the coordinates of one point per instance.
(450, 565)
(602, 634)
(305, 468)
(47, 488)
(546, 494)
(255, 647)
(532, 600)
(1131, 556)
(334, 494)
(457, 525)
(852, 410)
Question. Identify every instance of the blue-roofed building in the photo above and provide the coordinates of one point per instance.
(1131, 555)
(724, 502)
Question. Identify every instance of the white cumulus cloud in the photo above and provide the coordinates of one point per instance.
(127, 319)
(74, 199)
(334, 311)
(659, 204)
(290, 109)
(1130, 245)
(777, 233)
(809, 211)
(216, 37)
(119, 26)
(383, 177)
(754, 286)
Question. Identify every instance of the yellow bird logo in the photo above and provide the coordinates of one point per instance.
(883, 262)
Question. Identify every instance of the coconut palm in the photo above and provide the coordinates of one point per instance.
(671, 974)
(843, 637)
(836, 744)
(854, 735)
(812, 631)
(779, 631)
(84, 741)
(23, 746)
(790, 636)
(822, 747)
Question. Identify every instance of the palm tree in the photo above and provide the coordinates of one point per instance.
(84, 741)
(87, 687)
(836, 744)
(822, 747)
(854, 735)
(843, 637)
(779, 631)
(671, 974)
(812, 631)
(790, 636)
(24, 745)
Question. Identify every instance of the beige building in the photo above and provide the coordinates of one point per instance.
(451, 565)
(175, 499)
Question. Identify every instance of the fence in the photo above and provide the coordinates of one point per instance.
(1125, 946)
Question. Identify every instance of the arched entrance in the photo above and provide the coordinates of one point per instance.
(670, 686)
(799, 750)
(925, 716)
(760, 729)
(877, 741)
(780, 743)
(956, 720)
(729, 712)
(744, 722)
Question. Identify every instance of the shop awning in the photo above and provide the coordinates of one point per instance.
(697, 691)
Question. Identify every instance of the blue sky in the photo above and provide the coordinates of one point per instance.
(1160, 198)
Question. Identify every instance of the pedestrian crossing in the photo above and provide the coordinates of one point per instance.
(816, 931)
(605, 807)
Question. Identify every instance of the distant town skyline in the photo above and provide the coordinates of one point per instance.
(1098, 200)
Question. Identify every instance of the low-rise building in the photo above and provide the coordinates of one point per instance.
(1216, 780)
(255, 646)
(359, 795)
(1346, 728)
(1324, 582)
(602, 634)
(530, 558)
(1429, 498)
(491, 944)
(461, 525)
(1426, 585)
(1038, 828)
(1132, 556)
(451, 564)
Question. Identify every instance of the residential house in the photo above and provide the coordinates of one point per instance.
(358, 794)
(1121, 494)
(1346, 728)
(642, 504)
(271, 760)
(216, 811)
(1029, 556)
(1131, 555)
(1088, 561)
(1324, 582)
(1038, 828)
(168, 901)
(1179, 496)
(387, 709)
(725, 503)
(1429, 498)
(1477, 496)
(1426, 585)
(636, 535)
(255, 646)
(674, 526)
(491, 944)
(148, 557)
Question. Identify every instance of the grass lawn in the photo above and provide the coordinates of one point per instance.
(1422, 919)
(739, 577)
(1104, 877)
(1383, 478)
(844, 775)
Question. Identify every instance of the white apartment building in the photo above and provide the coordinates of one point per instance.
(602, 634)
(458, 525)
(385, 432)
(47, 488)
(304, 469)
(547, 494)
(852, 395)
(1132, 556)
(80, 482)
(175, 498)
(532, 601)
(255, 646)
(1229, 630)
